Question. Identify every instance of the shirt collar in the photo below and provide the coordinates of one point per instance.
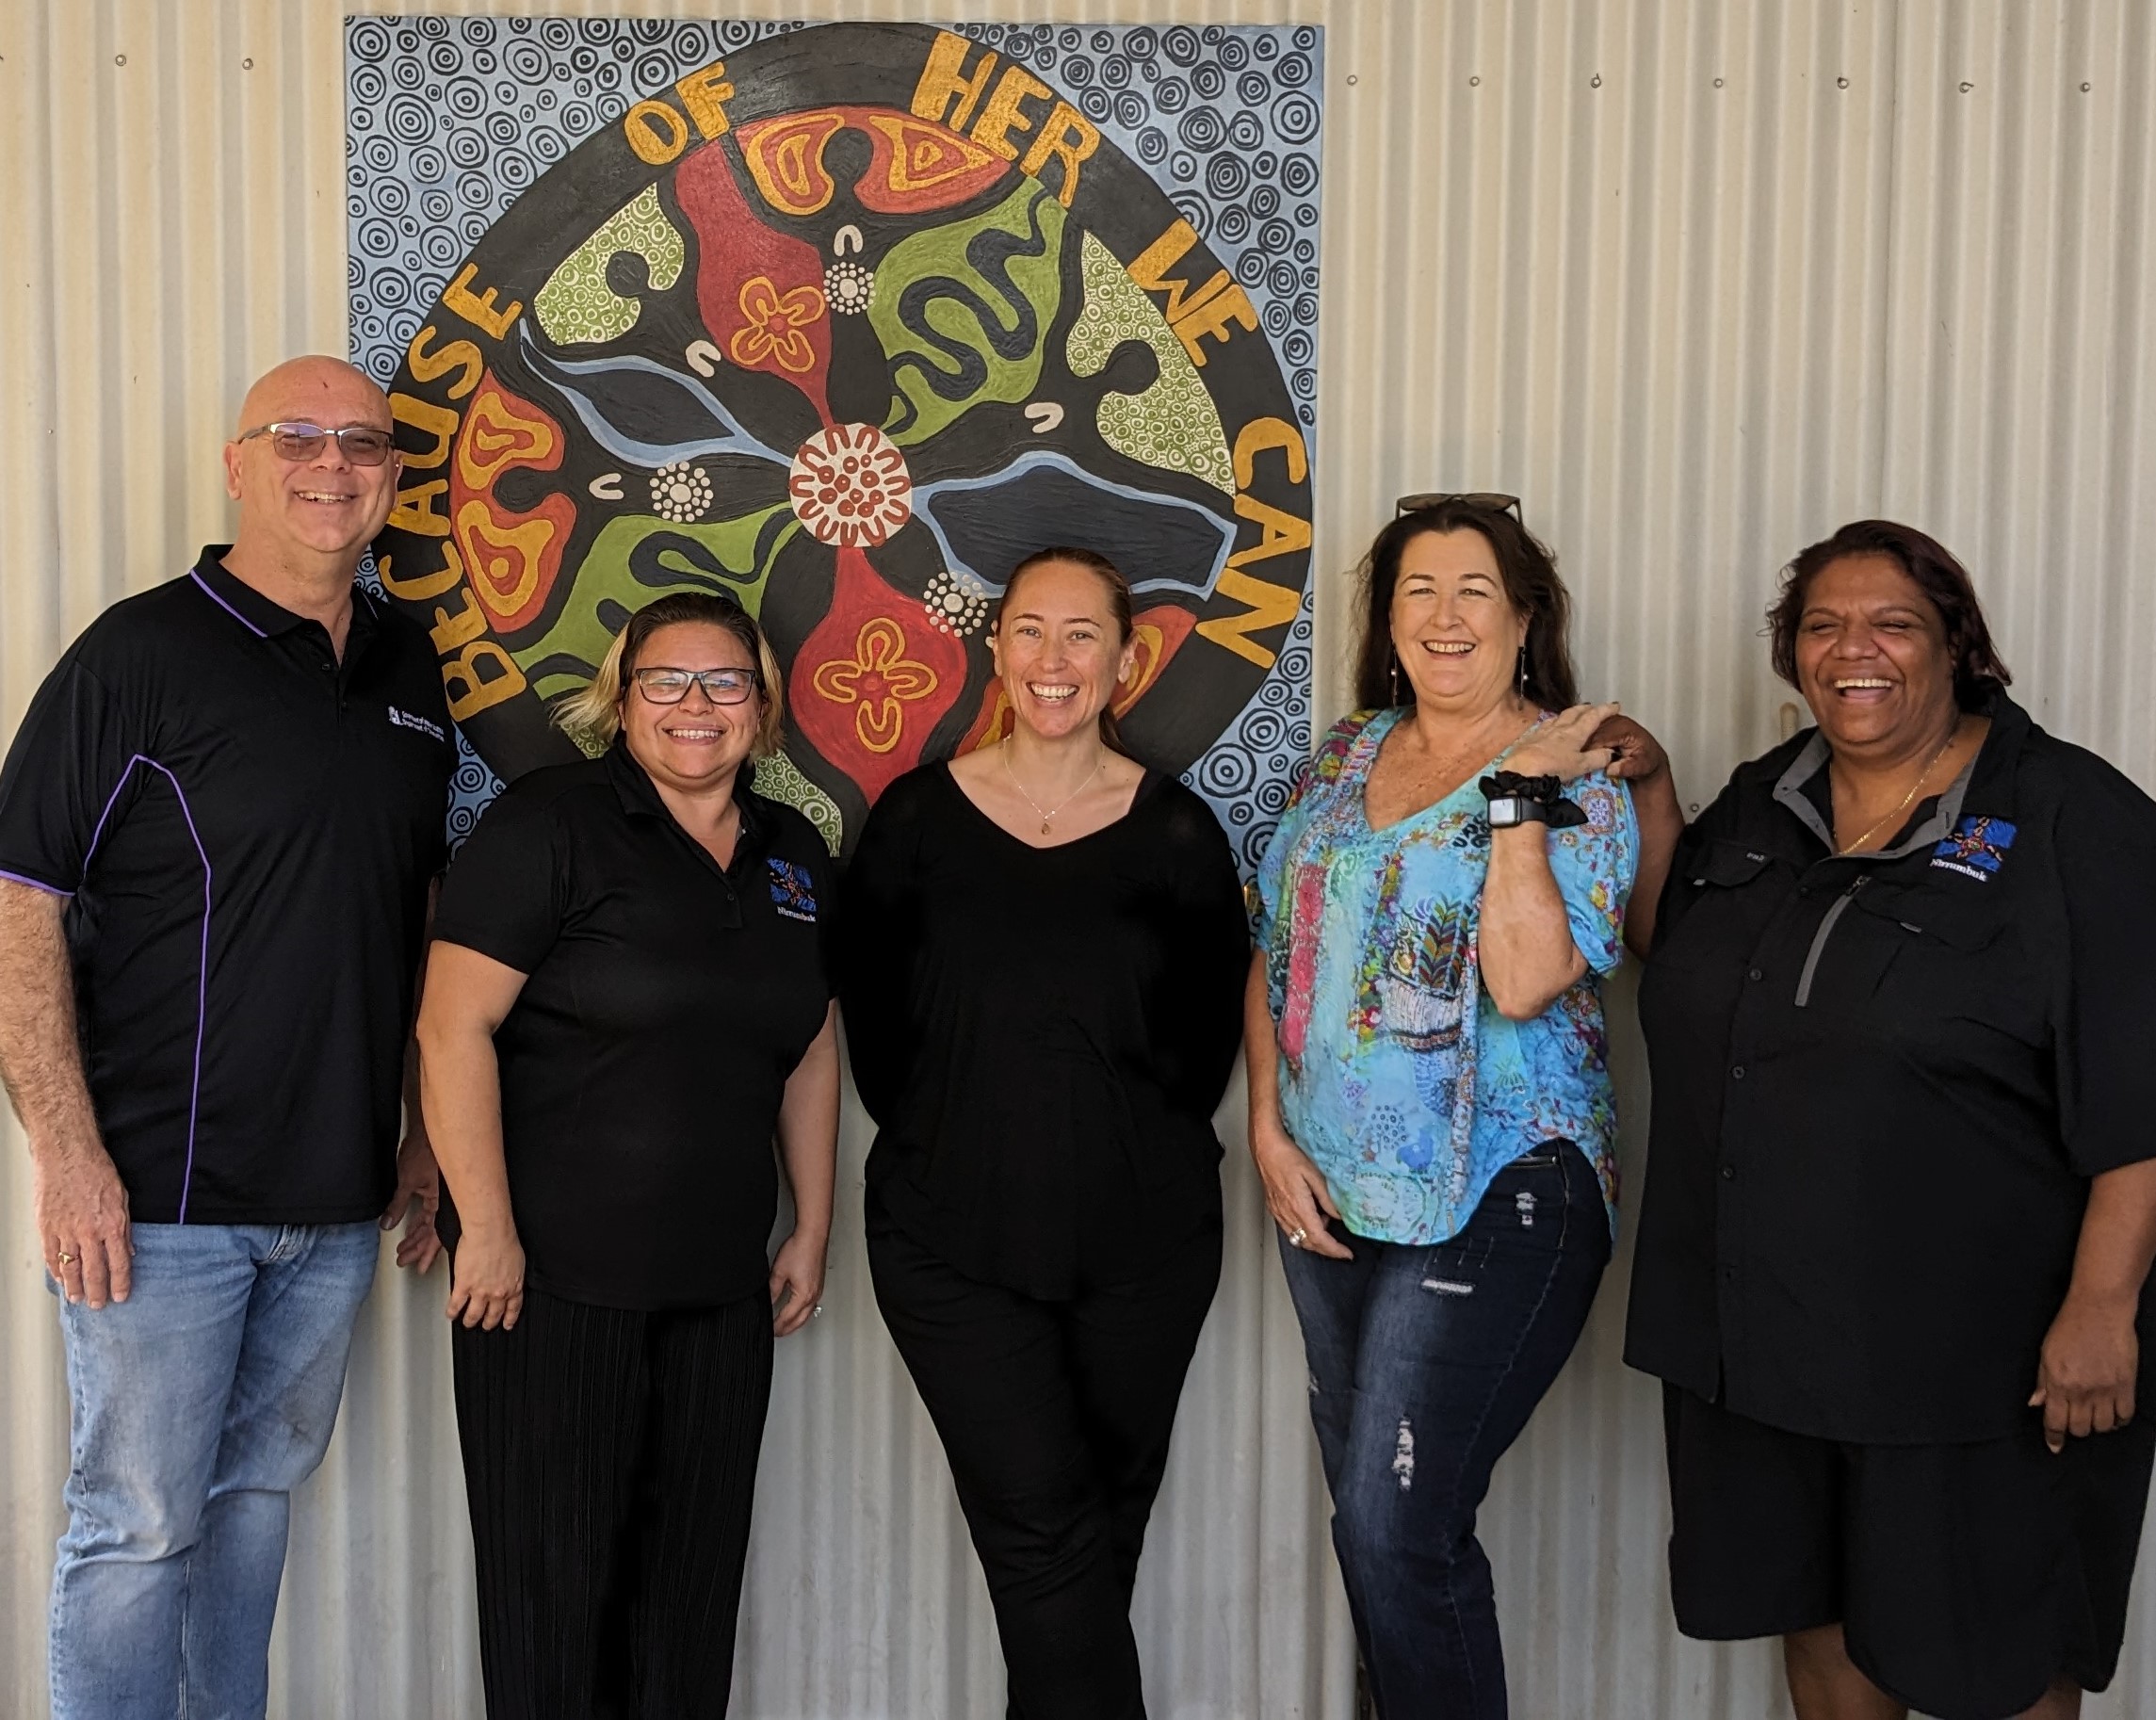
(639, 795)
(259, 615)
(2010, 725)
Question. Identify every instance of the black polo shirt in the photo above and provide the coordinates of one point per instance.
(667, 1001)
(247, 828)
(1881, 1083)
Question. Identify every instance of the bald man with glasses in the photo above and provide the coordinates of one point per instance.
(218, 827)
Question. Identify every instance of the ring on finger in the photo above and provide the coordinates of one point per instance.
(66, 1259)
(1297, 1237)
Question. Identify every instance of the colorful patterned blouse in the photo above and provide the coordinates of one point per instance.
(1397, 1075)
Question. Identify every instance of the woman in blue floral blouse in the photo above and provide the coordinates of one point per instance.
(1429, 1093)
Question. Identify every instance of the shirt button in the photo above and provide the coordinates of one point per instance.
(1755, 975)
(1729, 1174)
(1738, 1073)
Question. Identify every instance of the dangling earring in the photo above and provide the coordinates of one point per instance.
(1523, 671)
(1396, 677)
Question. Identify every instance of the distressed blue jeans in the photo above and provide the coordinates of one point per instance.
(197, 1405)
(1425, 1364)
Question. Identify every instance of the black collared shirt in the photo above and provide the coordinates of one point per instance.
(1881, 1083)
(645, 1059)
(246, 827)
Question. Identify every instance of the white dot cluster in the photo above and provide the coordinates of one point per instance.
(849, 288)
(957, 603)
(680, 492)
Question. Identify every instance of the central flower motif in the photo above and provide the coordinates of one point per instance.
(851, 486)
(879, 683)
(774, 324)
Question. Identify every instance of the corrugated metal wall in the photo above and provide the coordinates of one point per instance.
(1698, 280)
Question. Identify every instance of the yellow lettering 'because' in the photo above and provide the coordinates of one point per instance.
(471, 688)
(438, 422)
(452, 631)
(421, 586)
(479, 308)
(944, 95)
(414, 510)
(431, 366)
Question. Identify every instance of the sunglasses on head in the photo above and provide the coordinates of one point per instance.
(363, 444)
(1491, 499)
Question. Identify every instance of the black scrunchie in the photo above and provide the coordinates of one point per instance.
(1543, 791)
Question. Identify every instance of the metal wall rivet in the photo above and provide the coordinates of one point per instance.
(1350, 77)
(1967, 88)
(1841, 83)
(1594, 82)
(1717, 83)
(2084, 89)
(1474, 81)
(247, 65)
(119, 60)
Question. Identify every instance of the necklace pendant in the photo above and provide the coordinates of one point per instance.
(1045, 824)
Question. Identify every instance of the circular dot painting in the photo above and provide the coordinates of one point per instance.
(843, 322)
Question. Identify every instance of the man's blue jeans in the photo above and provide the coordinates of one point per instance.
(198, 1405)
(1425, 1364)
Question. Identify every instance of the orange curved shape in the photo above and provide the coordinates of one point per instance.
(776, 326)
(511, 560)
(879, 683)
(1156, 634)
(501, 431)
(918, 165)
(785, 156)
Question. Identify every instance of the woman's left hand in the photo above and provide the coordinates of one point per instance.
(1564, 746)
(2086, 1371)
(796, 1274)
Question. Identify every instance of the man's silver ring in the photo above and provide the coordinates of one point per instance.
(1296, 1236)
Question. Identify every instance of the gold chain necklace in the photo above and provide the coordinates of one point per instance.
(1853, 847)
(1067, 799)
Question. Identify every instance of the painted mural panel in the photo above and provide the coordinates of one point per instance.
(843, 320)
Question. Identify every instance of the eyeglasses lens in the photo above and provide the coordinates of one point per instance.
(361, 446)
(721, 685)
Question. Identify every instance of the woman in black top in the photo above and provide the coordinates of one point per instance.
(627, 1000)
(1902, 1199)
(1042, 959)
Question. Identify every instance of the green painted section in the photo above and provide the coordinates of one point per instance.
(996, 284)
(577, 307)
(779, 778)
(722, 554)
(1173, 423)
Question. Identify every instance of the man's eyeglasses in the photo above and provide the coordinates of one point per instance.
(363, 444)
(721, 685)
(1474, 499)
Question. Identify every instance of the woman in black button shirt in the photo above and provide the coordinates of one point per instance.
(1042, 959)
(1901, 1198)
(624, 1003)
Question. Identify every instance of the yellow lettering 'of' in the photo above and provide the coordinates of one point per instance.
(705, 93)
(414, 510)
(470, 688)
(656, 132)
(438, 422)
(1002, 116)
(431, 366)
(479, 308)
(1067, 136)
(467, 623)
(943, 82)
(421, 586)
(1151, 271)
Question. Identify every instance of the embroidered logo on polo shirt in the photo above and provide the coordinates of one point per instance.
(1975, 849)
(793, 893)
(405, 720)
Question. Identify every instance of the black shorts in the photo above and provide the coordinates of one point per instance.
(1965, 1578)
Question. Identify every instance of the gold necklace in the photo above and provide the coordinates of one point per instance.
(1067, 799)
(1856, 846)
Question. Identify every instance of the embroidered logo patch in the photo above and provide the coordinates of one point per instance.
(793, 893)
(1975, 849)
(405, 720)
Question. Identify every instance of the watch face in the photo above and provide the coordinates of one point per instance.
(843, 325)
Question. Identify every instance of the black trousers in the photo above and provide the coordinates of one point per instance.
(611, 1460)
(1056, 1417)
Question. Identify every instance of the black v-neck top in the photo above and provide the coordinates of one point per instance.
(644, 1061)
(1043, 1034)
(1882, 1082)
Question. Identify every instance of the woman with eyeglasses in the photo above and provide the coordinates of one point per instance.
(625, 1003)
(1042, 951)
(1430, 1100)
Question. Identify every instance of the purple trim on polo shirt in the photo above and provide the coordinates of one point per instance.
(36, 883)
(227, 608)
(203, 989)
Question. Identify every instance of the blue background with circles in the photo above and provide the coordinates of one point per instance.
(447, 120)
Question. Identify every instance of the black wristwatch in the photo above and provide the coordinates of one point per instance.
(1515, 800)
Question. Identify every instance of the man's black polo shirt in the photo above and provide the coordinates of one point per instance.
(1881, 1083)
(247, 828)
(645, 1061)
